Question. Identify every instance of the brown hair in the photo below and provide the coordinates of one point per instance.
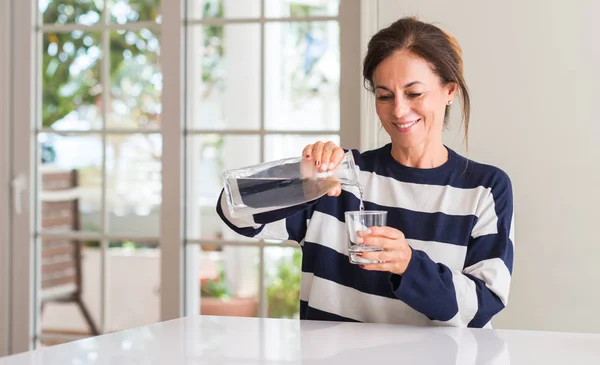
(438, 48)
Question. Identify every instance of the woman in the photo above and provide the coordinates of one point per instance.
(448, 246)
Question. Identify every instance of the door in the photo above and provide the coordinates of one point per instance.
(86, 168)
(123, 116)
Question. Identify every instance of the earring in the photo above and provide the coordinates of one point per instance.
(449, 102)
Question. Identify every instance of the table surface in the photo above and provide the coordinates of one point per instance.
(229, 340)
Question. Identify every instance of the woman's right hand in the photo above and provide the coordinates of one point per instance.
(322, 157)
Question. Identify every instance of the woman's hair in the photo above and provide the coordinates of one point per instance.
(428, 42)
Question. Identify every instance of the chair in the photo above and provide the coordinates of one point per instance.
(61, 274)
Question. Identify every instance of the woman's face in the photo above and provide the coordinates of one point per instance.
(410, 100)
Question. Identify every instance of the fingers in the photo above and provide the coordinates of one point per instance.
(385, 266)
(383, 231)
(337, 156)
(377, 241)
(307, 152)
(397, 255)
(391, 261)
(336, 190)
(317, 152)
(381, 256)
(326, 156)
(326, 163)
(323, 156)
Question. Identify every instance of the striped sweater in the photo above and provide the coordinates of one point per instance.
(458, 219)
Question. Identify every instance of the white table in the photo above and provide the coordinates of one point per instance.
(226, 340)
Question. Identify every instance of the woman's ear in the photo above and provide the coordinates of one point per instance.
(451, 89)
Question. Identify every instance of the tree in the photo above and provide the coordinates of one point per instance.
(71, 60)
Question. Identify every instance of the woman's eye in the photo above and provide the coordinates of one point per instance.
(414, 95)
(384, 98)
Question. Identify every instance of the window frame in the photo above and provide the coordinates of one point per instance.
(347, 18)
(5, 167)
(25, 104)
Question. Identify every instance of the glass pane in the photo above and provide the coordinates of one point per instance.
(208, 156)
(71, 90)
(223, 77)
(279, 146)
(126, 11)
(229, 281)
(72, 11)
(283, 271)
(134, 185)
(135, 80)
(301, 8)
(198, 9)
(70, 271)
(70, 173)
(133, 279)
(303, 76)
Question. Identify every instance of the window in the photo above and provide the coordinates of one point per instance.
(261, 84)
(129, 135)
(98, 165)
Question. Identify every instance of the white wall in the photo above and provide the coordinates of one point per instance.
(533, 68)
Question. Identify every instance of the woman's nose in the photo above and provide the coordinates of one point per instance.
(400, 108)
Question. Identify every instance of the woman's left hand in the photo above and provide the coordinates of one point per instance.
(396, 252)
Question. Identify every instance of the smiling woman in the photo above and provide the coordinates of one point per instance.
(446, 254)
(415, 79)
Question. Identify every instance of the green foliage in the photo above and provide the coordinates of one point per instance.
(119, 244)
(212, 40)
(283, 291)
(298, 10)
(71, 61)
(303, 10)
(62, 91)
(216, 288)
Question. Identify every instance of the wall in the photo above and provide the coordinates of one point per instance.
(535, 90)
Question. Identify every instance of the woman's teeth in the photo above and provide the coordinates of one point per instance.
(407, 125)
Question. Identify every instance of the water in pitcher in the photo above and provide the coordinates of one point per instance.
(265, 194)
(283, 183)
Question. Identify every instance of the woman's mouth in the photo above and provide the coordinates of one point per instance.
(406, 126)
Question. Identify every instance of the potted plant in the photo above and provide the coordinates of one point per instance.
(216, 298)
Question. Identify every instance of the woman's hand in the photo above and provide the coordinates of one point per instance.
(322, 157)
(396, 252)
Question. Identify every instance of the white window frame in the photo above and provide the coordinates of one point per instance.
(23, 102)
(24, 285)
(25, 40)
(371, 134)
(5, 201)
(350, 112)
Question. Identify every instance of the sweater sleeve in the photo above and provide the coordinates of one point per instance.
(471, 297)
(281, 224)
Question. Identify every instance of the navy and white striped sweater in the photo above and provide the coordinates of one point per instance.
(458, 219)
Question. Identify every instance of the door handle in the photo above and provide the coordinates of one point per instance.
(19, 185)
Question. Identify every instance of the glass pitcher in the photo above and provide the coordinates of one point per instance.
(283, 183)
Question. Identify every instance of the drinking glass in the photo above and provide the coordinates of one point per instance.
(360, 220)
